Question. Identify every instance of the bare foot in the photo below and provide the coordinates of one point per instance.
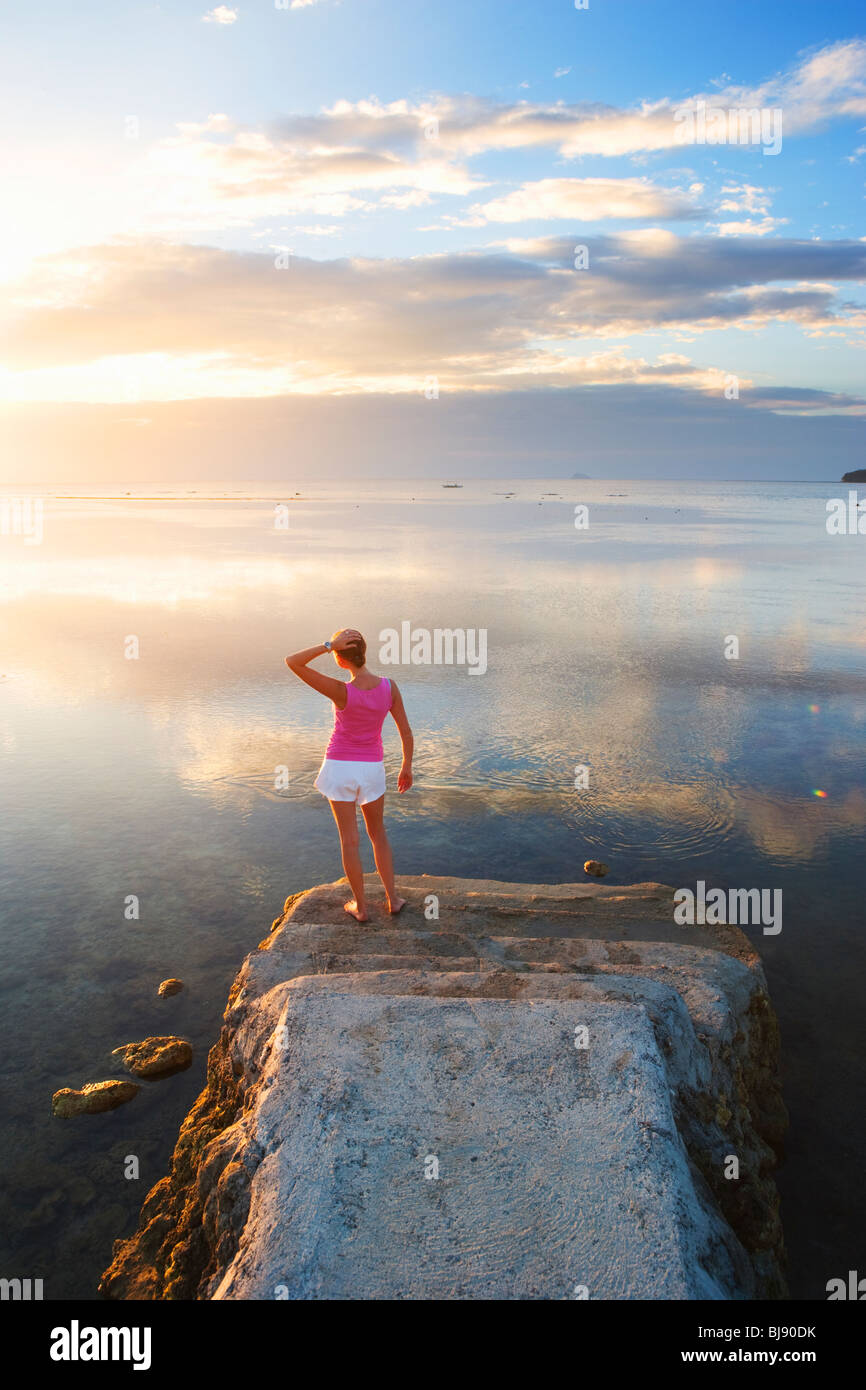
(394, 907)
(356, 912)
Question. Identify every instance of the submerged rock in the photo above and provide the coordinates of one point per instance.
(596, 868)
(155, 1056)
(540, 1088)
(170, 987)
(92, 1099)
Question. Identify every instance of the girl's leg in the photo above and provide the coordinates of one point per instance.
(346, 816)
(374, 819)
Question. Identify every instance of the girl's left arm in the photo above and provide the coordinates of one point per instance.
(398, 714)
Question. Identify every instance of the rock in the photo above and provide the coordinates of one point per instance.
(502, 1164)
(155, 1056)
(858, 476)
(170, 987)
(93, 1098)
(45, 1212)
(349, 1061)
(80, 1192)
(596, 868)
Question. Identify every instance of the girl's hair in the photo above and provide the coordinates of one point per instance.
(356, 653)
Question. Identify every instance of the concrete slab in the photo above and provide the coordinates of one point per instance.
(559, 1170)
(351, 1053)
(640, 912)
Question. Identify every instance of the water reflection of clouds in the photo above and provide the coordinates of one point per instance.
(424, 540)
(792, 829)
(611, 655)
(169, 581)
(642, 792)
(625, 806)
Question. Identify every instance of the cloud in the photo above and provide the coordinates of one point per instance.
(829, 84)
(744, 197)
(589, 200)
(193, 320)
(607, 431)
(333, 229)
(221, 15)
(346, 160)
(750, 227)
(354, 156)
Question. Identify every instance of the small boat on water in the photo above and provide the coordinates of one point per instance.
(452, 484)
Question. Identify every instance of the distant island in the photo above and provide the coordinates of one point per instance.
(580, 475)
(858, 476)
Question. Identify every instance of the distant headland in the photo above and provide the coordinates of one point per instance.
(858, 476)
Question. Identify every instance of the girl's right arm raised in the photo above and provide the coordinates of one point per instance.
(298, 664)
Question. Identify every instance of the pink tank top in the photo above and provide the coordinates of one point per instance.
(357, 736)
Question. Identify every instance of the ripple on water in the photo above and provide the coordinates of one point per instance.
(686, 816)
(681, 818)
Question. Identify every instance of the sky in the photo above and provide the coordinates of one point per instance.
(368, 238)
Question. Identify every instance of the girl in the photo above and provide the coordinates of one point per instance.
(353, 771)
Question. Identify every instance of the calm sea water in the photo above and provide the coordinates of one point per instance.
(606, 647)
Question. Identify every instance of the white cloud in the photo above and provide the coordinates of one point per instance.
(355, 156)
(221, 15)
(749, 227)
(744, 197)
(747, 198)
(587, 200)
(218, 121)
(318, 230)
(80, 328)
(830, 84)
(346, 160)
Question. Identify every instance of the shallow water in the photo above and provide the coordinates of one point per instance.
(156, 776)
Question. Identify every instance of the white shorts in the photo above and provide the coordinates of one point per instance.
(345, 781)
